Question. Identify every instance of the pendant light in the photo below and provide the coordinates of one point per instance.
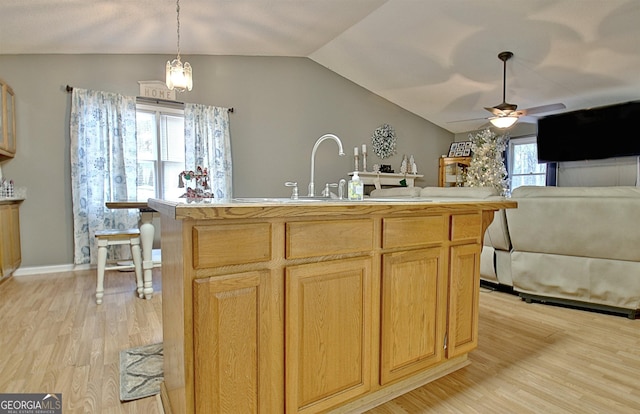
(179, 75)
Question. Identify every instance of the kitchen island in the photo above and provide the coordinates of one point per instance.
(309, 307)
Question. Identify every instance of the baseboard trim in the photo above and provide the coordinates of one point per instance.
(39, 270)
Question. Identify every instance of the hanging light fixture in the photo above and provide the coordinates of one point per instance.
(503, 121)
(179, 75)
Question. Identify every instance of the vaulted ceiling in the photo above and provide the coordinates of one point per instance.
(435, 58)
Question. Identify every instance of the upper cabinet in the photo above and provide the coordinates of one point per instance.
(7, 121)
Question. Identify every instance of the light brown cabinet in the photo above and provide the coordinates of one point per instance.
(293, 309)
(10, 253)
(453, 171)
(328, 330)
(7, 121)
(413, 312)
(464, 282)
(228, 331)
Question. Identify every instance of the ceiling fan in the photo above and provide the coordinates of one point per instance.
(506, 114)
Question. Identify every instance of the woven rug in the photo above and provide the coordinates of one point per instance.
(141, 372)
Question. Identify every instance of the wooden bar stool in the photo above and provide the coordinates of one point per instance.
(107, 238)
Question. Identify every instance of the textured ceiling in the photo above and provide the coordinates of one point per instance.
(436, 58)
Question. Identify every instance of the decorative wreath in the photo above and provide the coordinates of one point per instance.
(384, 141)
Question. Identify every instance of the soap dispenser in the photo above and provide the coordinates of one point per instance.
(356, 187)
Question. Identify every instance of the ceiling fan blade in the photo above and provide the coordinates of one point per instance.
(467, 120)
(543, 108)
(527, 119)
(495, 110)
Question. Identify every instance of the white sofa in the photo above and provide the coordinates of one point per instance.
(569, 245)
(577, 246)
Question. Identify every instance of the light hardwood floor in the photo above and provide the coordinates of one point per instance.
(55, 339)
(532, 358)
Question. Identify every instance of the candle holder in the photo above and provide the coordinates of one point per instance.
(364, 162)
(355, 163)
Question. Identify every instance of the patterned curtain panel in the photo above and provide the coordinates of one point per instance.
(208, 145)
(103, 166)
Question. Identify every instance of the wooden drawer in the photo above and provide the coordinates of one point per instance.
(466, 227)
(413, 231)
(323, 238)
(223, 245)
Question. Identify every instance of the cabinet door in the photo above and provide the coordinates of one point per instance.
(16, 252)
(7, 120)
(464, 291)
(328, 333)
(227, 318)
(5, 240)
(413, 311)
(10, 255)
(10, 119)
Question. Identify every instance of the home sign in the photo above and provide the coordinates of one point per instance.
(156, 90)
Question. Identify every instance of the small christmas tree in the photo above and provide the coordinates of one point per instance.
(487, 162)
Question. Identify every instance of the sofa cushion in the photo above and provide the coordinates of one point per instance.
(584, 222)
(497, 234)
(459, 192)
(396, 192)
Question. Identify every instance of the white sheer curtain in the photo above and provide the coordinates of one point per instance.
(208, 145)
(103, 165)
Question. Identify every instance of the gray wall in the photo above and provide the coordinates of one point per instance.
(282, 105)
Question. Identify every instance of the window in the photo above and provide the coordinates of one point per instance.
(523, 163)
(160, 141)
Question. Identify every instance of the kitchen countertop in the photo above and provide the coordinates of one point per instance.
(11, 200)
(282, 207)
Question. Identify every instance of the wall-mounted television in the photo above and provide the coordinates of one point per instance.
(589, 134)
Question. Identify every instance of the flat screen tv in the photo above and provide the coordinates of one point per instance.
(589, 134)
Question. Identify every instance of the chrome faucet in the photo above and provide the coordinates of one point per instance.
(313, 158)
(294, 193)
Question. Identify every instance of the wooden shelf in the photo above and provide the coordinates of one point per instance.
(453, 171)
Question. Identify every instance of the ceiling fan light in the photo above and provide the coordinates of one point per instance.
(503, 121)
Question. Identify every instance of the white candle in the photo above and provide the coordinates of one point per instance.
(364, 148)
(355, 151)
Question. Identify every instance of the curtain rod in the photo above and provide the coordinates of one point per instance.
(70, 89)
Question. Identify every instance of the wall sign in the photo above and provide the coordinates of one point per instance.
(156, 90)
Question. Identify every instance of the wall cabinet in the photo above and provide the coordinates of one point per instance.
(7, 120)
(453, 171)
(10, 253)
(309, 314)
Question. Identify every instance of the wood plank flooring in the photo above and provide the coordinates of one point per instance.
(55, 339)
(532, 358)
(535, 358)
